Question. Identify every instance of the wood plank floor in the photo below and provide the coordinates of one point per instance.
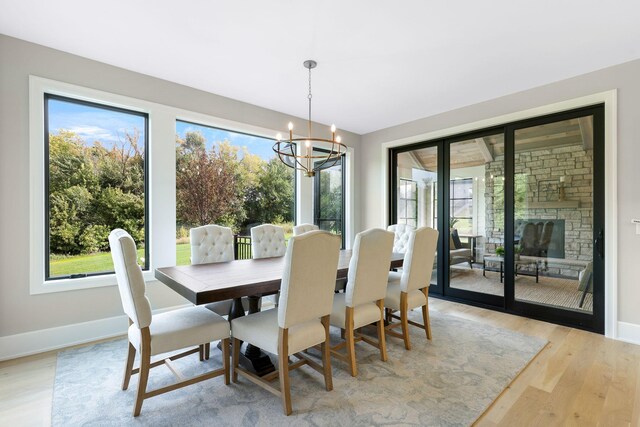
(579, 379)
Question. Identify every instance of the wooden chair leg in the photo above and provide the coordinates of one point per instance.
(283, 370)
(382, 344)
(145, 366)
(201, 352)
(326, 356)
(225, 359)
(131, 356)
(351, 342)
(404, 319)
(425, 314)
(207, 351)
(235, 359)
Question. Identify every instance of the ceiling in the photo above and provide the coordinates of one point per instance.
(577, 133)
(379, 64)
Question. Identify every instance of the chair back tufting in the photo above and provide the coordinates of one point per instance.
(267, 241)
(211, 243)
(304, 228)
(401, 236)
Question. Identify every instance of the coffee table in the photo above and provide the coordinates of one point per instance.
(518, 263)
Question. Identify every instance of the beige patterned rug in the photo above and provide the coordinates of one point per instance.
(447, 382)
(549, 291)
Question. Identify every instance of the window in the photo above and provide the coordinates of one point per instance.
(407, 202)
(328, 195)
(461, 210)
(95, 181)
(228, 178)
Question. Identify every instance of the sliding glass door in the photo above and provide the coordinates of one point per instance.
(558, 218)
(523, 210)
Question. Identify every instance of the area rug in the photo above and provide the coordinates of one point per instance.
(449, 381)
(551, 291)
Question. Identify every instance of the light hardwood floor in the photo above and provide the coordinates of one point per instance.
(579, 379)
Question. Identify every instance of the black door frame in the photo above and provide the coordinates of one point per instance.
(592, 322)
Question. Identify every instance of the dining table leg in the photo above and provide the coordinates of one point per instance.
(252, 359)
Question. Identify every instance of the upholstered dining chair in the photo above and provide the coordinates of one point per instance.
(362, 303)
(267, 241)
(301, 320)
(211, 244)
(410, 288)
(304, 228)
(401, 234)
(152, 335)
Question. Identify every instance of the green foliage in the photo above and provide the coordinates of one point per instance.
(270, 199)
(93, 190)
(228, 187)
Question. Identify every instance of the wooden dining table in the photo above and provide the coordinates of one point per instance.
(252, 278)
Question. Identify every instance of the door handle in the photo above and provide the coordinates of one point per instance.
(599, 244)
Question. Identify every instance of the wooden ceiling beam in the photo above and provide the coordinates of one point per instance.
(485, 150)
(586, 130)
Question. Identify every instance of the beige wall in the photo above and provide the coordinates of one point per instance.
(623, 77)
(19, 311)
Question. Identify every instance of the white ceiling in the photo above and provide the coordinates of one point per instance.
(381, 63)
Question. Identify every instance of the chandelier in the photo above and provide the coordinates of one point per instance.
(306, 159)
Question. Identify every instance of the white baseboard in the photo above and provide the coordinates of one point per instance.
(629, 332)
(28, 343)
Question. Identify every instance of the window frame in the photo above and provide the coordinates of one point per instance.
(47, 244)
(458, 181)
(161, 212)
(406, 183)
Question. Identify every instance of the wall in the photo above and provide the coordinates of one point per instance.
(622, 77)
(21, 312)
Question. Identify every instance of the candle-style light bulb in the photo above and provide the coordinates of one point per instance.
(290, 125)
(338, 138)
(333, 128)
(307, 143)
(279, 136)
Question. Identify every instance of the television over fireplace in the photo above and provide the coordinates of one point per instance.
(540, 237)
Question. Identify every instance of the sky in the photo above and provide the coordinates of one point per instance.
(108, 127)
(255, 144)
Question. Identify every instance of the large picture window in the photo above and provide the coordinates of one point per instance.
(95, 181)
(229, 178)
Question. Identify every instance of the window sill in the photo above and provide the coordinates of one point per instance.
(63, 285)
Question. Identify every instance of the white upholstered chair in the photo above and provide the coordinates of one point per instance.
(267, 241)
(304, 228)
(162, 333)
(409, 289)
(301, 320)
(362, 303)
(211, 244)
(401, 234)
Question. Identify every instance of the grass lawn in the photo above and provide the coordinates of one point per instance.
(99, 262)
(94, 263)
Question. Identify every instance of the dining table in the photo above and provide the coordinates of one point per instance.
(251, 278)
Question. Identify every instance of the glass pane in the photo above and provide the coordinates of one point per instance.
(417, 172)
(553, 214)
(230, 179)
(96, 182)
(329, 209)
(477, 214)
(462, 208)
